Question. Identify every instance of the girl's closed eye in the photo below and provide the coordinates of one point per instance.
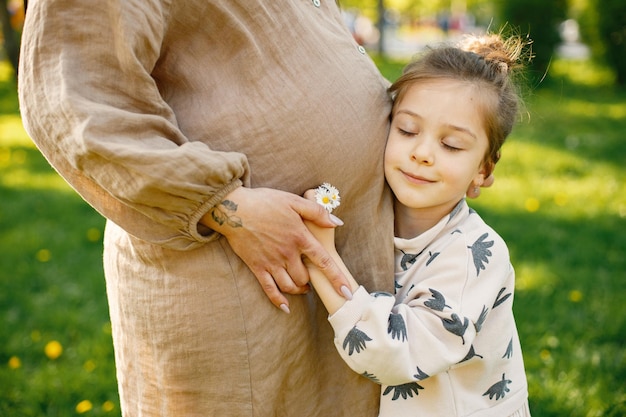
(405, 132)
(451, 147)
(405, 125)
(407, 129)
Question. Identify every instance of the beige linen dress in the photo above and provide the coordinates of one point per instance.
(155, 110)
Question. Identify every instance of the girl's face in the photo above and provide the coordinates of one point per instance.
(435, 148)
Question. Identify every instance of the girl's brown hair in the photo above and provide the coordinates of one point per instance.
(490, 62)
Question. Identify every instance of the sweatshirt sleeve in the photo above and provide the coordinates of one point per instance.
(90, 104)
(431, 326)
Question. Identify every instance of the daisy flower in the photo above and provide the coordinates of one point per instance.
(327, 196)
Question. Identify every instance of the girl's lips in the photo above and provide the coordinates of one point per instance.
(416, 178)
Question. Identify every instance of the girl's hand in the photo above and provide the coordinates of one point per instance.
(325, 235)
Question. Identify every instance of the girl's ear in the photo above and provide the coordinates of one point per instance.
(479, 179)
(485, 171)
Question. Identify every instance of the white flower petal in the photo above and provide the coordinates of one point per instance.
(327, 196)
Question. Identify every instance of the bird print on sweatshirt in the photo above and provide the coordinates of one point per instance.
(407, 390)
(453, 319)
(481, 253)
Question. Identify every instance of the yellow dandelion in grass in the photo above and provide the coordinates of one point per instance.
(84, 406)
(43, 255)
(15, 362)
(575, 296)
(545, 355)
(93, 234)
(106, 328)
(5, 156)
(108, 406)
(553, 342)
(89, 366)
(560, 199)
(53, 349)
(327, 196)
(531, 204)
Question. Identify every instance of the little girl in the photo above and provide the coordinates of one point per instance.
(445, 344)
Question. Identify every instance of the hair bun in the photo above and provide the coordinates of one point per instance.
(506, 54)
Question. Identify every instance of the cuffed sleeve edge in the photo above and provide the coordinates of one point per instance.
(194, 219)
(352, 311)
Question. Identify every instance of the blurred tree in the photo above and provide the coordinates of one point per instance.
(539, 19)
(11, 20)
(381, 12)
(603, 26)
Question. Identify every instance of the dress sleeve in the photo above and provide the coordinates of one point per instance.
(90, 104)
(431, 326)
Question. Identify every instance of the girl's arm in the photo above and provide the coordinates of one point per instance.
(332, 301)
(435, 325)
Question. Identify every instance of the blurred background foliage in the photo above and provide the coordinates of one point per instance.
(602, 23)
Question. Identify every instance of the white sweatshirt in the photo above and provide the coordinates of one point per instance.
(446, 343)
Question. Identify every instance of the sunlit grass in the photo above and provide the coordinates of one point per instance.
(582, 72)
(56, 354)
(560, 181)
(18, 154)
(12, 132)
(562, 173)
(6, 72)
(17, 163)
(17, 173)
(584, 108)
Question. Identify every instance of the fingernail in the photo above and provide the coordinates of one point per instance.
(336, 220)
(285, 308)
(346, 292)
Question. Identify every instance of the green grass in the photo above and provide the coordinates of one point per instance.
(51, 285)
(559, 200)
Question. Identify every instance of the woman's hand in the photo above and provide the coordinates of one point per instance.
(266, 229)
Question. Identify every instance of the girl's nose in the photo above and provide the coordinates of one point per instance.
(422, 152)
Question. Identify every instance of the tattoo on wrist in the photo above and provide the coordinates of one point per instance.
(224, 213)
